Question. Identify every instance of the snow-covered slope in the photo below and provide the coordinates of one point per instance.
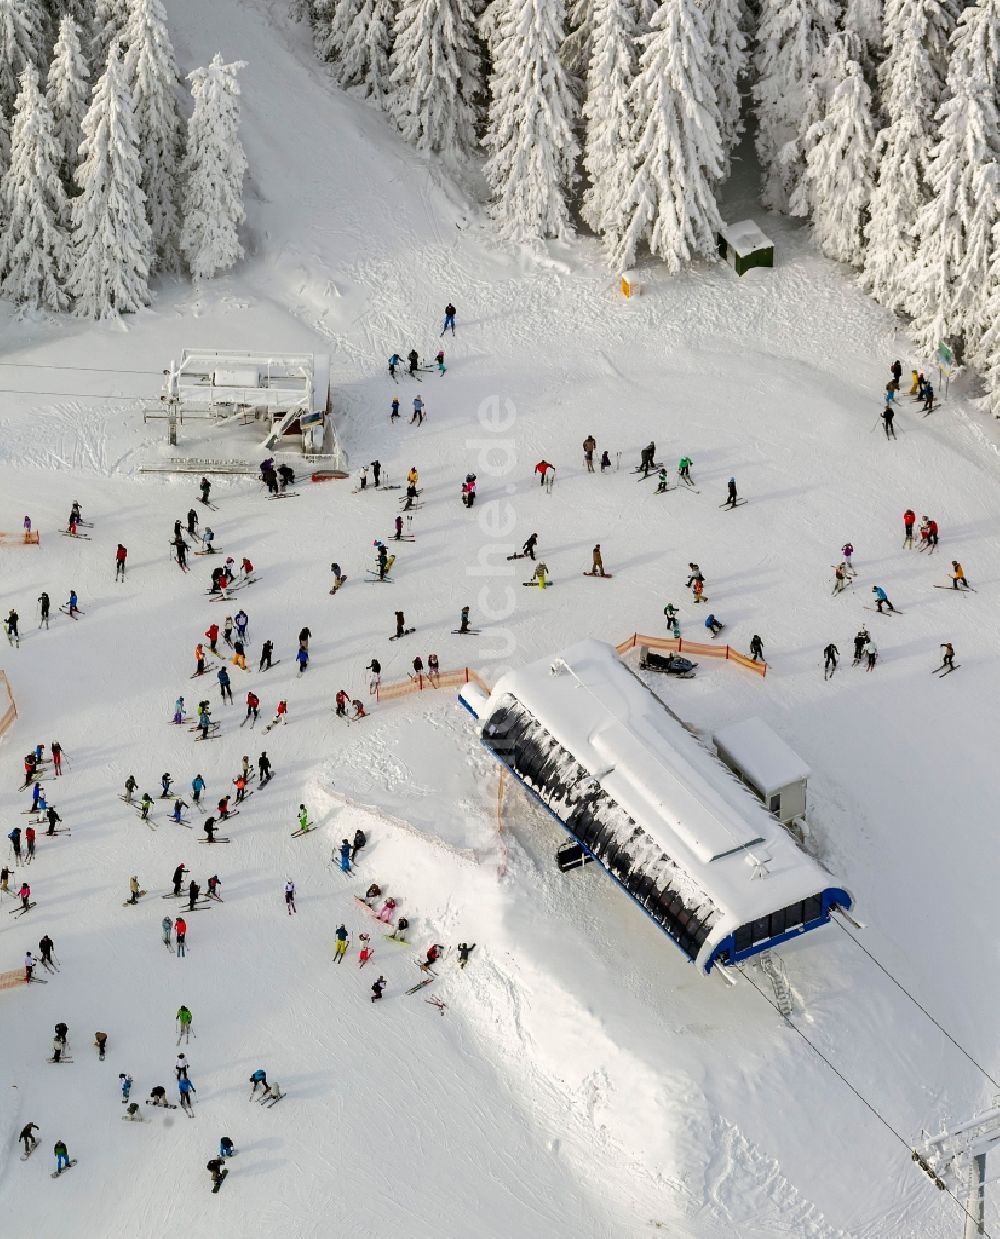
(583, 1080)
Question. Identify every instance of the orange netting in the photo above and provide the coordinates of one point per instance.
(677, 645)
(28, 538)
(10, 980)
(420, 683)
(9, 711)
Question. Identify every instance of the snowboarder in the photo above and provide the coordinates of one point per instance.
(672, 613)
(909, 520)
(528, 549)
(958, 577)
(120, 556)
(731, 493)
(449, 318)
(830, 654)
(27, 1135)
(713, 625)
(290, 896)
(377, 988)
(756, 648)
(871, 652)
(226, 1147)
(158, 1096)
(881, 599)
(387, 911)
(133, 889)
(465, 949)
(597, 568)
(589, 448)
(400, 624)
(61, 1155)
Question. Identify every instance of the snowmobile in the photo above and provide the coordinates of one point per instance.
(672, 664)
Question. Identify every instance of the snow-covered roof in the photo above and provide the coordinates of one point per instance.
(762, 755)
(682, 813)
(745, 237)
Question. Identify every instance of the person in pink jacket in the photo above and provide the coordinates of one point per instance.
(388, 911)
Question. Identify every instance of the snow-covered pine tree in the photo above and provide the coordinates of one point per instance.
(21, 43)
(975, 43)
(110, 18)
(333, 28)
(213, 171)
(578, 44)
(4, 143)
(724, 19)
(435, 63)
(111, 239)
(969, 139)
(152, 73)
(910, 94)
(363, 57)
(971, 287)
(67, 94)
(987, 355)
(831, 70)
(34, 249)
(530, 140)
(791, 38)
(608, 114)
(862, 21)
(677, 150)
(839, 168)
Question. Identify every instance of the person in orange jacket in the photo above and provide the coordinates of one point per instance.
(199, 658)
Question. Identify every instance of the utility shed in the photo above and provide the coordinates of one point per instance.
(761, 759)
(743, 246)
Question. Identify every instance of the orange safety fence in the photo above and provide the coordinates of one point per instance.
(677, 645)
(10, 980)
(8, 710)
(29, 537)
(422, 682)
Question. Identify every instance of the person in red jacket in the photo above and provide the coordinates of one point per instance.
(253, 707)
(25, 895)
(29, 838)
(932, 532)
(120, 556)
(180, 934)
(212, 632)
(909, 520)
(542, 469)
(56, 757)
(341, 700)
(247, 567)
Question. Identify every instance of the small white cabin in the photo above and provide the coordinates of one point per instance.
(763, 761)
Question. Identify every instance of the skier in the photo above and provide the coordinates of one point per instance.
(589, 448)
(433, 668)
(126, 1080)
(302, 658)
(394, 414)
(439, 358)
(290, 896)
(29, 967)
(61, 1156)
(225, 687)
(829, 660)
(120, 556)
(360, 839)
(888, 413)
(909, 520)
(932, 532)
(181, 1065)
(928, 405)
(345, 856)
(597, 568)
(258, 1080)
(377, 988)
(184, 1020)
(15, 842)
(684, 470)
(413, 360)
(239, 658)
(207, 538)
(264, 766)
(304, 635)
(542, 469)
(897, 373)
(756, 648)
(432, 957)
(71, 604)
(253, 710)
(713, 625)
(695, 575)
(192, 522)
(340, 702)
(449, 318)
(206, 487)
(43, 602)
(948, 657)
(464, 951)
(194, 890)
(214, 882)
(265, 656)
(58, 1048)
(418, 411)
(340, 950)
(166, 925)
(184, 1090)
(394, 361)
(29, 838)
(958, 576)
(180, 937)
(847, 550)
(881, 599)
(287, 475)
(178, 878)
(732, 496)
(871, 652)
(46, 946)
(101, 1041)
(197, 787)
(199, 659)
(839, 578)
(26, 1134)
(605, 461)
(376, 471)
(165, 781)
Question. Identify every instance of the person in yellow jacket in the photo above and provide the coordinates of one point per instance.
(914, 382)
(412, 476)
(958, 577)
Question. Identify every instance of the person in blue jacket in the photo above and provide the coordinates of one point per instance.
(303, 659)
(258, 1080)
(184, 1090)
(226, 1148)
(197, 787)
(881, 599)
(345, 856)
(713, 625)
(224, 685)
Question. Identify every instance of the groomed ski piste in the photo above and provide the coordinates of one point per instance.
(583, 1080)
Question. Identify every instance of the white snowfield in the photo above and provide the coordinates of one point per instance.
(583, 1080)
